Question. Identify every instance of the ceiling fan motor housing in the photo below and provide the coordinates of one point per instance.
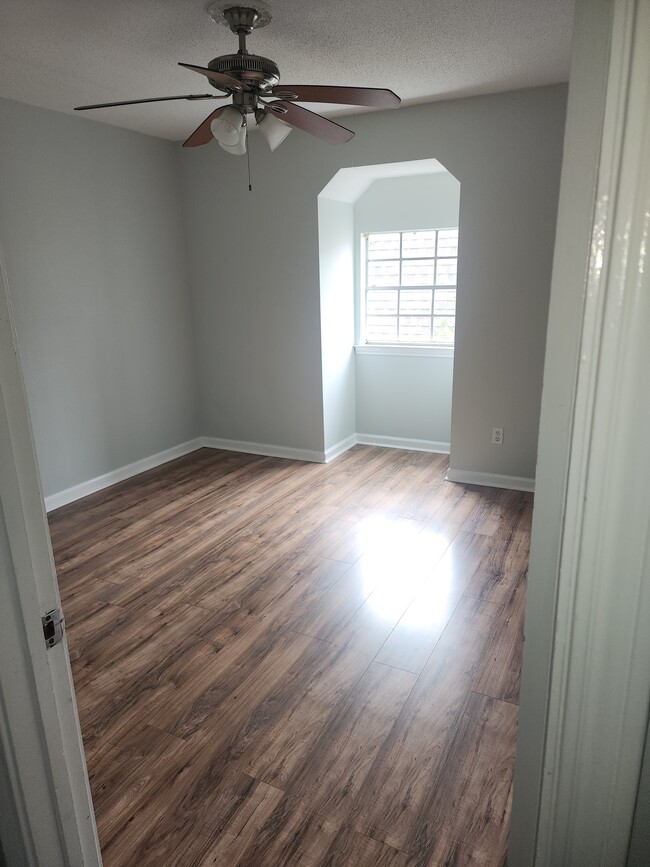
(260, 72)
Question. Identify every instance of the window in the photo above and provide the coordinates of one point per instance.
(409, 287)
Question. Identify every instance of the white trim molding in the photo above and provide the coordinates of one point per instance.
(491, 480)
(596, 710)
(271, 451)
(413, 445)
(69, 495)
(580, 166)
(76, 492)
(339, 448)
(404, 349)
(49, 818)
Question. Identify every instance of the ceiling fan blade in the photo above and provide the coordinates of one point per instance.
(203, 134)
(154, 99)
(309, 121)
(218, 77)
(377, 97)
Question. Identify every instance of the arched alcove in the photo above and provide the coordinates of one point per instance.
(389, 395)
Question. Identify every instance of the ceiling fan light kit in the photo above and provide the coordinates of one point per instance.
(253, 83)
(227, 127)
(273, 130)
(239, 148)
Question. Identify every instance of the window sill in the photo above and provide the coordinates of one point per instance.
(404, 349)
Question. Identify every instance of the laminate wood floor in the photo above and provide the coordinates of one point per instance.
(281, 663)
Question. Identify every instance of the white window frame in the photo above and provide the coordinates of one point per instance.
(400, 347)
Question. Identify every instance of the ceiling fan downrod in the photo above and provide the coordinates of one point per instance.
(241, 20)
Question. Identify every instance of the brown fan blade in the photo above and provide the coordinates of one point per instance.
(154, 99)
(377, 97)
(218, 77)
(309, 121)
(203, 134)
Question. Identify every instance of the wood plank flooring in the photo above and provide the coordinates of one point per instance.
(280, 663)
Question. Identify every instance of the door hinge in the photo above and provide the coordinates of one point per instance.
(53, 623)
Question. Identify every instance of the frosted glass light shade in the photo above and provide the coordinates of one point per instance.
(237, 149)
(273, 130)
(227, 127)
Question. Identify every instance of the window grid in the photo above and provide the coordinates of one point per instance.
(399, 288)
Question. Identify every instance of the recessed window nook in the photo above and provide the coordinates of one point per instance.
(389, 251)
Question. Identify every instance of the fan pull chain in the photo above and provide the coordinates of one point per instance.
(248, 159)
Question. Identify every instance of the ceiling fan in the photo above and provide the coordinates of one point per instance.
(253, 83)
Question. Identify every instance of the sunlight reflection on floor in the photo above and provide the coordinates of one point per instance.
(400, 557)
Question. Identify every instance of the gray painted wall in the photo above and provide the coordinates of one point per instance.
(255, 269)
(254, 273)
(401, 396)
(508, 215)
(93, 232)
(336, 243)
(90, 223)
(404, 397)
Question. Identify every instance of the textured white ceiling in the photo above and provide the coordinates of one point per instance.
(62, 53)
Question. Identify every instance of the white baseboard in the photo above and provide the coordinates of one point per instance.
(270, 451)
(491, 480)
(62, 498)
(403, 443)
(340, 447)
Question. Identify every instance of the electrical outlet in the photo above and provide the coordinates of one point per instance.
(497, 436)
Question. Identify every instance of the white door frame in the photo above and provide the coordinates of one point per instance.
(40, 737)
(586, 680)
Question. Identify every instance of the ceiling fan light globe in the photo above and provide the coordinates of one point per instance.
(273, 130)
(238, 149)
(227, 128)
